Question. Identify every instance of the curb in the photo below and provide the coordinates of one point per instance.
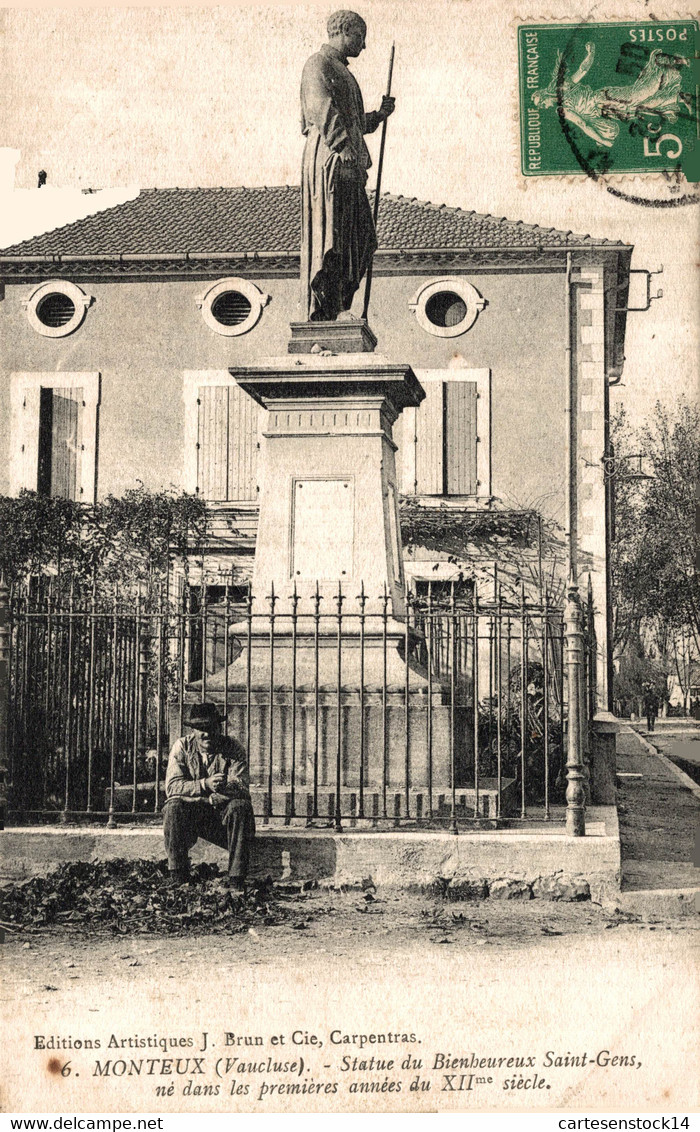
(682, 777)
(657, 903)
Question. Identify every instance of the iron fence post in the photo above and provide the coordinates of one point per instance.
(272, 599)
(113, 709)
(385, 732)
(545, 701)
(407, 701)
(159, 699)
(575, 792)
(339, 721)
(5, 631)
(524, 722)
(143, 642)
(453, 703)
(475, 691)
(362, 598)
(91, 696)
(588, 691)
(293, 736)
(429, 717)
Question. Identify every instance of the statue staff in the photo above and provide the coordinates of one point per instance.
(378, 190)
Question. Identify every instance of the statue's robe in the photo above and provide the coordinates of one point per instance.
(337, 230)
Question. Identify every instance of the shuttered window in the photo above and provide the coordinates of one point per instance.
(227, 443)
(53, 434)
(60, 442)
(438, 446)
(459, 438)
(429, 440)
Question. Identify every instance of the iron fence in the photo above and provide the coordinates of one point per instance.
(454, 715)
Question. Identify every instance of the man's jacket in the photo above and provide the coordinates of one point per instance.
(188, 770)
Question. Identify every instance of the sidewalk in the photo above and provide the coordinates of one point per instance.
(679, 740)
(659, 811)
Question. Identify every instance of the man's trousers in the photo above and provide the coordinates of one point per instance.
(230, 825)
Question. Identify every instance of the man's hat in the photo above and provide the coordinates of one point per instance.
(203, 716)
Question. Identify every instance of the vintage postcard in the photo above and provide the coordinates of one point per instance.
(349, 636)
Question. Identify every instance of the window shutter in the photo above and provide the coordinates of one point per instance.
(27, 423)
(227, 456)
(429, 440)
(243, 444)
(212, 479)
(66, 441)
(460, 437)
(53, 433)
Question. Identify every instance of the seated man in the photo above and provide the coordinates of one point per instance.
(206, 786)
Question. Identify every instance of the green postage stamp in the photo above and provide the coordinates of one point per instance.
(600, 98)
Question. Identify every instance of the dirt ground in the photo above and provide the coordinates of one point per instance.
(323, 922)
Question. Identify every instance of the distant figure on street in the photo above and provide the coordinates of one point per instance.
(651, 707)
(206, 786)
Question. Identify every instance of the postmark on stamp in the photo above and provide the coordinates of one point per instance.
(607, 98)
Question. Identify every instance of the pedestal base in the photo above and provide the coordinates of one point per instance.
(385, 729)
(340, 337)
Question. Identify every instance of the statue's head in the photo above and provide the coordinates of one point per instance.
(348, 32)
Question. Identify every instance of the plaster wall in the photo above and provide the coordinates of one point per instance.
(142, 336)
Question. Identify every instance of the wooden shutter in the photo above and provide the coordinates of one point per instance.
(244, 415)
(460, 437)
(66, 442)
(60, 442)
(429, 440)
(227, 462)
(212, 479)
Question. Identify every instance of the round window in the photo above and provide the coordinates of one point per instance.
(56, 308)
(447, 307)
(232, 306)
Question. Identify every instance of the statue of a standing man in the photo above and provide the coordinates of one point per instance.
(337, 231)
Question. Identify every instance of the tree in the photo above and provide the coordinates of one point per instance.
(655, 586)
(637, 673)
(38, 532)
(668, 562)
(628, 599)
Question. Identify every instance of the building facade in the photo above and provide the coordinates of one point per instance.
(118, 332)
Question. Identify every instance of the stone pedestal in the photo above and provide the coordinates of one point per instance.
(345, 336)
(329, 502)
(326, 687)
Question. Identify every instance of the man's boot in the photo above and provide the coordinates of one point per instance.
(177, 877)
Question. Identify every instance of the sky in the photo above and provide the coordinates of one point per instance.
(110, 97)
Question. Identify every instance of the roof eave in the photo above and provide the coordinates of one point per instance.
(134, 263)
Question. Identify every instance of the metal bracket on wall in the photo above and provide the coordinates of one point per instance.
(650, 298)
(626, 467)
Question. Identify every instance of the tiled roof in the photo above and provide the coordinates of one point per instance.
(214, 221)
